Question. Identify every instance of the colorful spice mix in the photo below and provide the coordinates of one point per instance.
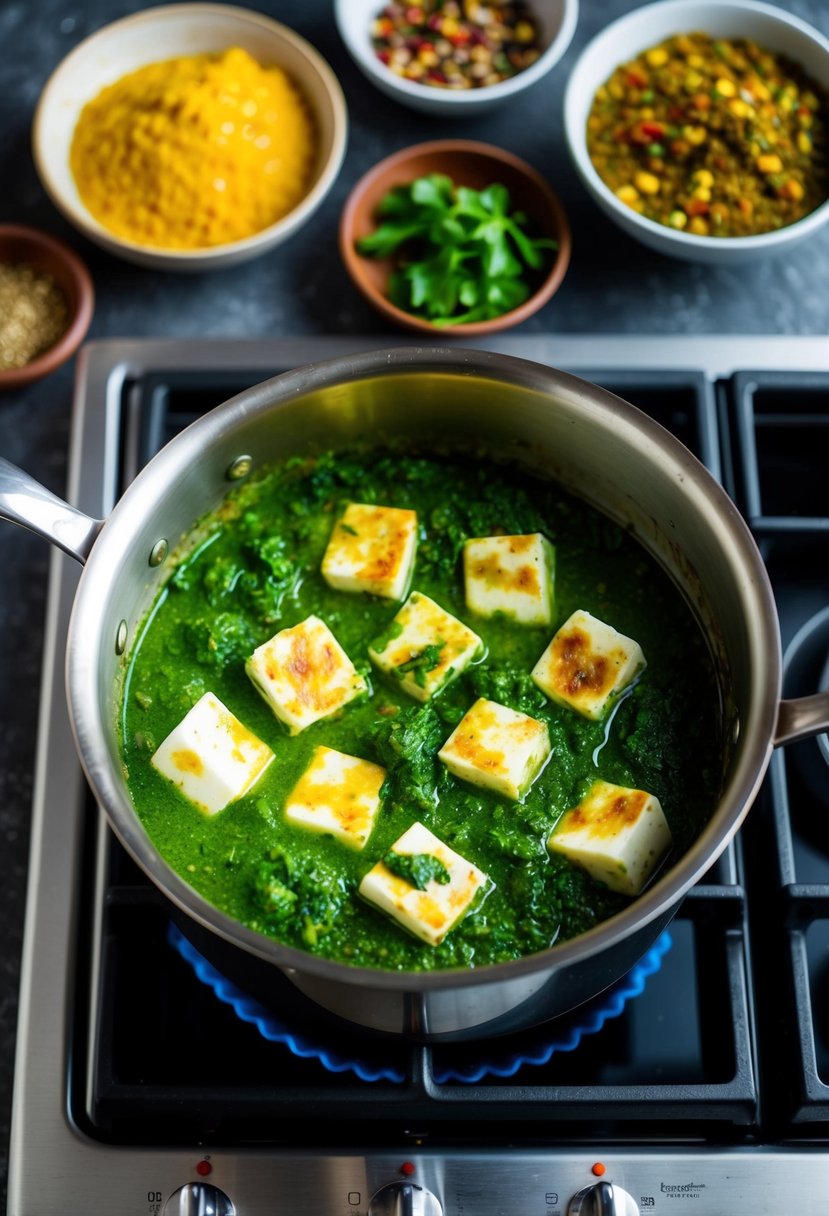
(456, 44)
(713, 137)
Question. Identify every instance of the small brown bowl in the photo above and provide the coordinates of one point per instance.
(467, 163)
(44, 253)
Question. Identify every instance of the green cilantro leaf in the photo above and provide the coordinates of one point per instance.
(460, 254)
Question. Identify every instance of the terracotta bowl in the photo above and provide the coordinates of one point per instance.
(19, 244)
(467, 163)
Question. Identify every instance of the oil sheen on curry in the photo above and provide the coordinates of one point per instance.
(411, 712)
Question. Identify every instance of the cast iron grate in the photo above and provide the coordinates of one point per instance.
(778, 428)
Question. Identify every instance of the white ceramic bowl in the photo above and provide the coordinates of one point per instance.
(556, 19)
(766, 25)
(164, 33)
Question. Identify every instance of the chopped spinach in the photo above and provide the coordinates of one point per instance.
(425, 661)
(418, 869)
(300, 895)
(406, 745)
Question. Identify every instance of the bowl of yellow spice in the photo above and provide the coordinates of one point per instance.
(190, 136)
(701, 127)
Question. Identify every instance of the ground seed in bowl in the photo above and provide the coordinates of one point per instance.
(712, 136)
(33, 314)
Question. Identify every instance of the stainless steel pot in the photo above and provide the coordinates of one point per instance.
(596, 445)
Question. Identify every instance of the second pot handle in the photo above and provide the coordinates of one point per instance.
(802, 717)
(26, 502)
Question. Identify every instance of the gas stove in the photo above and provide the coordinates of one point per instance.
(147, 1084)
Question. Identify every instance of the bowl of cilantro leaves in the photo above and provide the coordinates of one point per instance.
(455, 236)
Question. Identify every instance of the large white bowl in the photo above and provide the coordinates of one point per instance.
(645, 27)
(556, 20)
(164, 33)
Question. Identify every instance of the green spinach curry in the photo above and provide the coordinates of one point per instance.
(257, 571)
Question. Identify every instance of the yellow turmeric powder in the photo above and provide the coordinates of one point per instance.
(193, 152)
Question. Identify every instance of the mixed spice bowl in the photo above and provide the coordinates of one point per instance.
(702, 129)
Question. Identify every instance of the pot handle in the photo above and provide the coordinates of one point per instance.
(800, 718)
(26, 502)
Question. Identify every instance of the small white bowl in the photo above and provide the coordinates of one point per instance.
(165, 33)
(556, 20)
(622, 40)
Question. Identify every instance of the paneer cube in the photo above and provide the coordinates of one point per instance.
(372, 549)
(304, 674)
(211, 756)
(588, 665)
(617, 835)
(425, 647)
(338, 794)
(497, 748)
(428, 910)
(512, 575)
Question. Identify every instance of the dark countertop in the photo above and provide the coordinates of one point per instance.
(614, 286)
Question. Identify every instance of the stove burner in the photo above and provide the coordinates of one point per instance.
(536, 1048)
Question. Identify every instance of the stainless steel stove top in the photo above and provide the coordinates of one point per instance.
(744, 403)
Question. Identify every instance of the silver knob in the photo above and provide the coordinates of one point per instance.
(404, 1199)
(602, 1199)
(199, 1199)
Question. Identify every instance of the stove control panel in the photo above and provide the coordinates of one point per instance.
(575, 1182)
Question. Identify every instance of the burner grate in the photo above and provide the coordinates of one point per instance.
(468, 1064)
(184, 1064)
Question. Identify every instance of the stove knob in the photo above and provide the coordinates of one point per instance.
(404, 1199)
(602, 1199)
(199, 1199)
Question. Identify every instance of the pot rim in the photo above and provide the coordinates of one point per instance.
(707, 497)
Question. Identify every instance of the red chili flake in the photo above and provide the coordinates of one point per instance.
(636, 79)
(384, 56)
(646, 132)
